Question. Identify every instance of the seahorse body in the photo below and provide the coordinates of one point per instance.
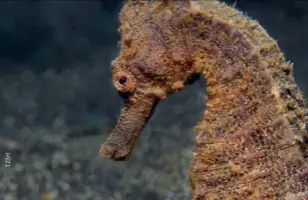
(252, 140)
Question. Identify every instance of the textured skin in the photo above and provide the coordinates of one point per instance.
(252, 140)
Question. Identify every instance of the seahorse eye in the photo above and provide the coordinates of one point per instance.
(123, 80)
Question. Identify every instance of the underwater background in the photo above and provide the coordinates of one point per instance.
(57, 103)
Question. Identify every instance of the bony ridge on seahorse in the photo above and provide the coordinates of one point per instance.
(251, 142)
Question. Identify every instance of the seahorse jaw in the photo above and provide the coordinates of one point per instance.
(121, 141)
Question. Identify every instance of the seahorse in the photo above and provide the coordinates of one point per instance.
(251, 142)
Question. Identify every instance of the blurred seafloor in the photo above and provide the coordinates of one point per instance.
(57, 103)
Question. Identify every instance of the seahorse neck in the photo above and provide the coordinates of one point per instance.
(247, 129)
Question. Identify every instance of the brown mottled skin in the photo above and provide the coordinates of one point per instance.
(251, 142)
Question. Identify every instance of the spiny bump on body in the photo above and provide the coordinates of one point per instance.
(251, 142)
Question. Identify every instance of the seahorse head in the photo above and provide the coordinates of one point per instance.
(153, 62)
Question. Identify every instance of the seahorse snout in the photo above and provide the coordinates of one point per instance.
(113, 151)
(122, 139)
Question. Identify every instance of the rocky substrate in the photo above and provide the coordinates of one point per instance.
(52, 124)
